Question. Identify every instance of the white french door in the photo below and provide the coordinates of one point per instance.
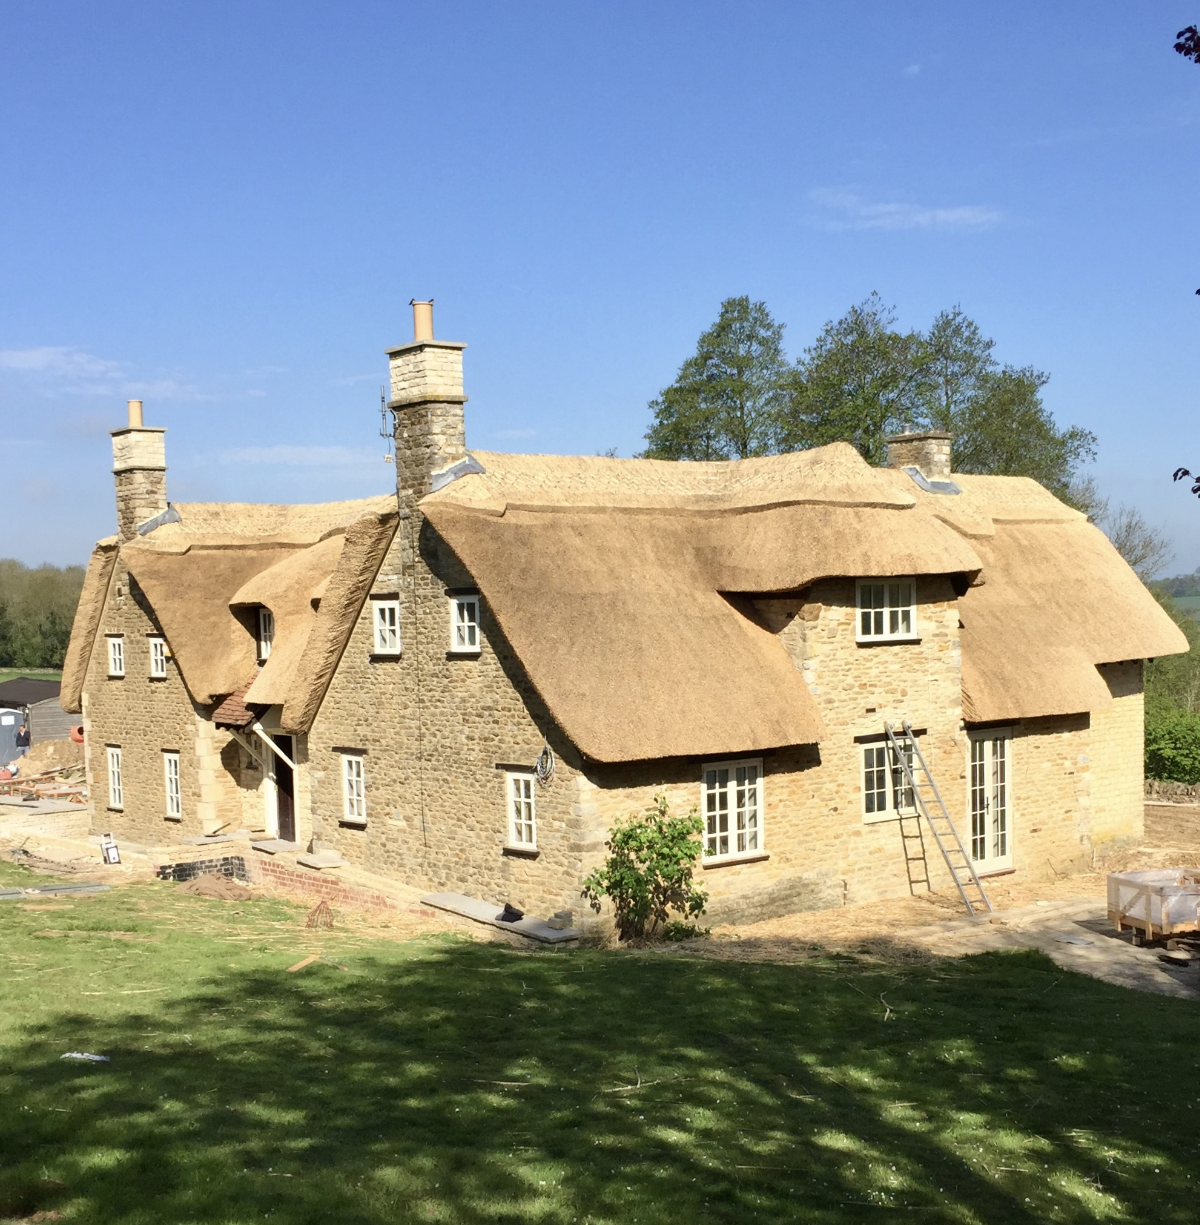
(990, 833)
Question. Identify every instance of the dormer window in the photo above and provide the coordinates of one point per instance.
(887, 610)
(266, 634)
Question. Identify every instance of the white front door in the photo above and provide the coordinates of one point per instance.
(990, 841)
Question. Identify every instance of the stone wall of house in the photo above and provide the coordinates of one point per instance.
(1117, 755)
(145, 717)
(1050, 785)
(436, 731)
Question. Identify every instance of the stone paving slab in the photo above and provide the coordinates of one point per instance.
(489, 912)
(1075, 934)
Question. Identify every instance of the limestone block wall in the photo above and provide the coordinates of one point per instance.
(435, 731)
(1117, 755)
(145, 717)
(426, 370)
(1050, 788)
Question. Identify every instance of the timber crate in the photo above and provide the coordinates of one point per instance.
(1159, 902)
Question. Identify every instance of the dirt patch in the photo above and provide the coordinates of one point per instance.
(888, 929)
(215, 886)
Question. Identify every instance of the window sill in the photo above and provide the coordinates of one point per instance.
(474, 653)
(878, 818)
(173, 820)
(989, 874)
(379, 657)
(353, 824)
(110, 808)
(888, 642)
(156, 678)
(116, 676)
(520, 852)
(729, 861)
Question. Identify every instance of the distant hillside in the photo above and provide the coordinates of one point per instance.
(37, 606)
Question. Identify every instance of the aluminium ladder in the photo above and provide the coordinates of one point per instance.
(928, 802)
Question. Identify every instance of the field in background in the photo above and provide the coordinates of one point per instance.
(444, 1080)
(38, 674)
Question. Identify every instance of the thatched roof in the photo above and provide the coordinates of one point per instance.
(222, 559)
(1057, 599)
(622, 585)
(616, 583)
(86, 624)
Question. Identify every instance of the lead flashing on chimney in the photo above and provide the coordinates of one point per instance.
(942, 487)
(170, 515)
(462, 467)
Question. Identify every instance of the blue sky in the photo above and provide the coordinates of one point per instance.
(225, 208)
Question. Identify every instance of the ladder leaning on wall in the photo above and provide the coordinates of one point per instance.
(928, 802)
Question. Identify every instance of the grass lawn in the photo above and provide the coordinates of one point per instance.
(442, 1080)
(37, 674)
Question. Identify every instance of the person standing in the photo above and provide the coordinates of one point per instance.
(22, 740)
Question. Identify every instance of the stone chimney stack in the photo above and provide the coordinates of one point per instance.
(427, 404)
(140, 468)
(929, 451)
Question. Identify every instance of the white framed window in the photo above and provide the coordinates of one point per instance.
(171, 785)
(386, 616)
(887, 793)
(464, 624)
(990, 794)
(354, 790)
(522, 811)
(116, 655)
(116, 792)
(887, 610)
(266, 634)
(158, 658)
(732, 802)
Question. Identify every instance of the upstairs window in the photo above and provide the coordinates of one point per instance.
(387, 625)
(116, 655)
(887, 610)
(522, 816)
(266, 634)
(158, 658)
(732, 804)
(464, 624)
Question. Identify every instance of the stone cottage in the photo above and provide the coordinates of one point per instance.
(464, 683)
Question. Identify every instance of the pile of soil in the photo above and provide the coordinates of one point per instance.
(216, 886)
(50, 755)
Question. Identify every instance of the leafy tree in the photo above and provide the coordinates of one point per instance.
(856, 383)
(727, 399)
(37, 607)
(1187, 43)
(648, 872)
(1173, 745)
(860, 380)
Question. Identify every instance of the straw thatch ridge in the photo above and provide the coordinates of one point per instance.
(87, 623)
(343, 594)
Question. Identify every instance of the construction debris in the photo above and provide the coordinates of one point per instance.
(321, 916)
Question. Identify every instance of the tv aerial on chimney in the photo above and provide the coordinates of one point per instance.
(386, 428)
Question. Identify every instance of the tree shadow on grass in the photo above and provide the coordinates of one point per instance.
(471, 1084)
